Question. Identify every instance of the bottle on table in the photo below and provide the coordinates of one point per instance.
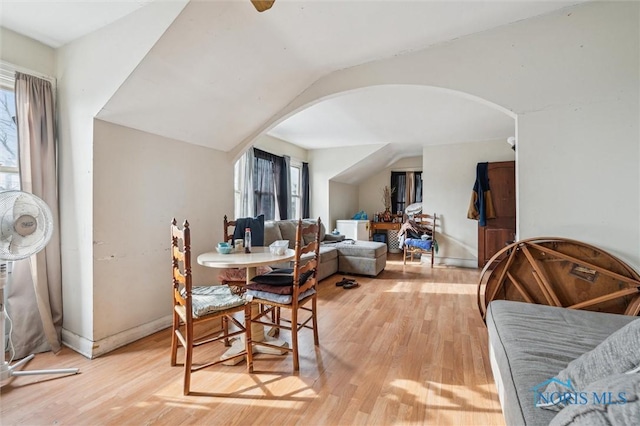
(247, 240)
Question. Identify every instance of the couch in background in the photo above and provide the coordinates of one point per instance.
(336, 255)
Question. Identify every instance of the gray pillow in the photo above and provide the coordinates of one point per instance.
(618, 353)
(613, 400)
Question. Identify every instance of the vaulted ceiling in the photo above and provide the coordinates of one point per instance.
(223, 70)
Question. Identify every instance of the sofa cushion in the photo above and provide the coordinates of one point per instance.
(618, 353)
(369, 249)
(288, 231)
(326, 254)
(271, 232)
(613, 400)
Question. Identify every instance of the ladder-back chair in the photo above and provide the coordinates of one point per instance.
(302, 281)
(423, 224)
(193, 305)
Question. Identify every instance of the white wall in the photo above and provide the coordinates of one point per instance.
(26, 53)
(343, 203)
(279, 147)
(324, 164)
(142, 181)
(571, 78)
(89, 70)
(448, 179)
(370, 190)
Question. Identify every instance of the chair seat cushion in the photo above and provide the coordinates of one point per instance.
(280, 277)
(284, 299)
(240, 274)
(209, 299)
(275, 289)
(418, 243)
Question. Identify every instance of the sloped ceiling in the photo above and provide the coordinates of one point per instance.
(222, 70)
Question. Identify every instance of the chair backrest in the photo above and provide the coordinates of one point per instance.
(181, 263)
(228, 233)
(234, 229)
(307, 241)
(427, 223)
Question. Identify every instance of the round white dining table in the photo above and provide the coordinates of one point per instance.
(259, 256)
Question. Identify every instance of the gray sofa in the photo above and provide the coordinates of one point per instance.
(359, 257)
(529, 345)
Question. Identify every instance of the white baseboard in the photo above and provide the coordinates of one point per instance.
(452, 261)
(93, 349)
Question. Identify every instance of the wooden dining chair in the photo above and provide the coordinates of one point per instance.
(194, 305)
(291, 290)
(235, 277)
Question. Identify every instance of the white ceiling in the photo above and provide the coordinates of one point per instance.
(222, 71)
(56, 23)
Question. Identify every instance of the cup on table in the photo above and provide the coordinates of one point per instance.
(239, 244)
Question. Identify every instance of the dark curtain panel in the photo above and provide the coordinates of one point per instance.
(398, 186)
(282, 185)
(418, 187)
(264, 184)
(305, 190)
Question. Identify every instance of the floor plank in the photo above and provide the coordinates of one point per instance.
(407, 347)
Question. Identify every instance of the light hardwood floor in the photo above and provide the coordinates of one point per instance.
(405, 348)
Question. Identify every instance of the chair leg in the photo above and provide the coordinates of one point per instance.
(188, 358)
(225, 330)
(432, 256)
(174, 338)
(294, 338)
(248, 342)
(404, 256)
(314, 306)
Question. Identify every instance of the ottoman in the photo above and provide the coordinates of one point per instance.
(361, 257)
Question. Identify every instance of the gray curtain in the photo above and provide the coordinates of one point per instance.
(245, 208)
(264, 184)
(34, 300)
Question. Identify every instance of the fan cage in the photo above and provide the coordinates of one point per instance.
(9, 248)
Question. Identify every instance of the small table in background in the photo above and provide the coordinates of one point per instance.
(392, 229)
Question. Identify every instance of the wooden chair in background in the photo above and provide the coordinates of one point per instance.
(303, 280)
(236, 277)
(193, 305)
(425, 224)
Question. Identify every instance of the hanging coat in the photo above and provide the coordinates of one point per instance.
(481, 206)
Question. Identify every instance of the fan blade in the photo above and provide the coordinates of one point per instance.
(24, 206)
(20, 244)
(262, 5)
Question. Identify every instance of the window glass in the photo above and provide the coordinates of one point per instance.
(9, 176)
(296, 204)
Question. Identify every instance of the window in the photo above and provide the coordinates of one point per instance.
(268, 184)
(9, 173)
(407, 189)
(296, 196)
